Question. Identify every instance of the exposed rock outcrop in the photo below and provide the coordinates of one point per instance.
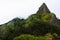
(43, 9)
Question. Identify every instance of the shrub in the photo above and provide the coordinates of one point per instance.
(29, 37)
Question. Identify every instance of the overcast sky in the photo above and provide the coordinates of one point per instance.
(10, 9)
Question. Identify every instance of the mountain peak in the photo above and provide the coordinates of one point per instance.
(43, 9)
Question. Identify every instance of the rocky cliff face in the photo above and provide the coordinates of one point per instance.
(53, 20)
(44, 9)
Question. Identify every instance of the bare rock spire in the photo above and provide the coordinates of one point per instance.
(43, 9)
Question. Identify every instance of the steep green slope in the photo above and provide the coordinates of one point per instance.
(42, 22)
(11, 29)
(45, 17)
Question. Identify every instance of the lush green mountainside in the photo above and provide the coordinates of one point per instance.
(11, 29)
(38, 24)
(44, 17)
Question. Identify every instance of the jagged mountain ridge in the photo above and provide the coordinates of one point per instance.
(44, 14)
(43, 10)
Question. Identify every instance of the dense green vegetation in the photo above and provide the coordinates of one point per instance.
(39, 26)
(36, 25)
(29, 37)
